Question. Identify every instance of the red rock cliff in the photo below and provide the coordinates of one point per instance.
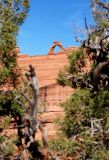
(47, 68)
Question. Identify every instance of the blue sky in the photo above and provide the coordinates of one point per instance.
(52, 20)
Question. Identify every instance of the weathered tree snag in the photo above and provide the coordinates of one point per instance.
(44, 136)
(27, 128)
(31, 76)
(97, 74)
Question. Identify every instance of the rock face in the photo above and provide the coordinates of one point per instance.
(46, 66)
(50, 93)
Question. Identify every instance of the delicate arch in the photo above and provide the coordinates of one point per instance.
(57, 43)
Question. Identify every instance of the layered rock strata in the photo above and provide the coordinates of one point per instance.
(50, 93)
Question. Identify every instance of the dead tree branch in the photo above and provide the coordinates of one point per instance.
(29, 123)
(103, 4)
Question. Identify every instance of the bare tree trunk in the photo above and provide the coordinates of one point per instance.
(31, 123)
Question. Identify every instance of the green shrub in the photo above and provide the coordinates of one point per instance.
(101, 155)
(76, 61)
(79, 109)
(5, 122)
(7, 146)
(2, 139)
(8, 149)
(64, 146)
(77, 113)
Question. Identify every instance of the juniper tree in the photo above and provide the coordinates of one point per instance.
(12, 16)
(91, 100)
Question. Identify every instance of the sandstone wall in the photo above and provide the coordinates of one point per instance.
(51, 96)
(50, 93)
(54, 94)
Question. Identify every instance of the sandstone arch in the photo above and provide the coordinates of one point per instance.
(57, 43)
